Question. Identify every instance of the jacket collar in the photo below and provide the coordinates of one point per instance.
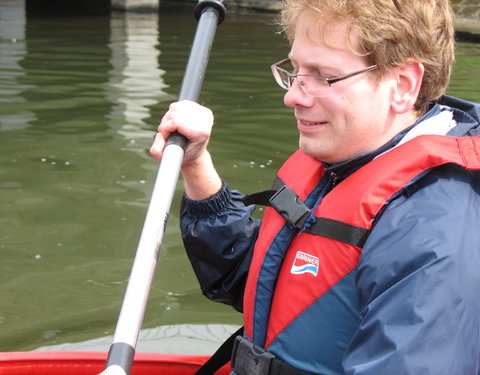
(466, 114)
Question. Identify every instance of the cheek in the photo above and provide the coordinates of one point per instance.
(333, 107)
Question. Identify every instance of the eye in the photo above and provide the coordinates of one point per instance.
(322, 74)
(327, 72)
(292, 68)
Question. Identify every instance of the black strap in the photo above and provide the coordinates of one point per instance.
(262, 198)
(281, 368)
(221, 357)
(340, 231)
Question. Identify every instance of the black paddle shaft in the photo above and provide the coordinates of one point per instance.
(209, 13)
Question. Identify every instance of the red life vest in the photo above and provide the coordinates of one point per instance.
(311, 264)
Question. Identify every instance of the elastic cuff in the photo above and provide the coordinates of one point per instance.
(211, 206)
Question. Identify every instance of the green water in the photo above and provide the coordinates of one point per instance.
(80, 97)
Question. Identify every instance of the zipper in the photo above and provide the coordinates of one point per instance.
(334, 177)
(328, 186)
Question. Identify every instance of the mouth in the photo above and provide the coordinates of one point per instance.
(303, 124)
(311, 123)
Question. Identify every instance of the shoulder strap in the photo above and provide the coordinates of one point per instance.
(340, 231)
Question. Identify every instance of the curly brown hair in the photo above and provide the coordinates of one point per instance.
(390, 33)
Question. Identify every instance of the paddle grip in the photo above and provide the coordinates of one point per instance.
(177, 139)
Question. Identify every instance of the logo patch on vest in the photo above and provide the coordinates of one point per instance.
(305, 263)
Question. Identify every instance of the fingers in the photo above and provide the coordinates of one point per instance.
(156, 150)
(189, 119)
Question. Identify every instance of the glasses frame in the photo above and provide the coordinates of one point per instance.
(329, 81)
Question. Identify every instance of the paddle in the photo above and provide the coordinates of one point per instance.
(120, 357)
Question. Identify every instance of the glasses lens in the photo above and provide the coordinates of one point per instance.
(282, 77)
(311, 84)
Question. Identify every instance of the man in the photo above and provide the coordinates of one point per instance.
(367, 262)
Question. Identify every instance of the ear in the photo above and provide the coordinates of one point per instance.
(409, 77)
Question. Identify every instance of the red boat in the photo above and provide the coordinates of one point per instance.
(93, 363)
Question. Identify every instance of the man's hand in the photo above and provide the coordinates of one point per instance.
(192, 121)
(195, 123)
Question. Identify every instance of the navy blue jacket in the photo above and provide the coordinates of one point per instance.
(418, 277)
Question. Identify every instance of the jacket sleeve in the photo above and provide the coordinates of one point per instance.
(218, 234)
(419, 282)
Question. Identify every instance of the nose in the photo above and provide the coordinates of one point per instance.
(296, 97)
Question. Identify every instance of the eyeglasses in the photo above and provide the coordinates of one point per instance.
(311, 84)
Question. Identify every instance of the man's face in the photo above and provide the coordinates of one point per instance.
(355, 116)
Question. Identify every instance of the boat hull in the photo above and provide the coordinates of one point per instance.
(93, 363)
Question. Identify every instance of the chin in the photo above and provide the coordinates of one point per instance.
(314, 153)
(326, 157)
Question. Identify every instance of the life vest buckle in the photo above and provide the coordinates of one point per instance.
(290, 206)
(250, 359)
